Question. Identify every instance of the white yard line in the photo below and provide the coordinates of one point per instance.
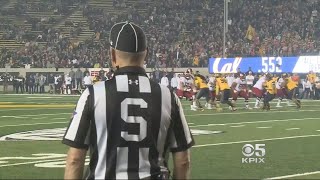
(264, 127)
(39, 118)
(257, 140)
(294, 175)
(237, 126)
(44, 97)
(289, 129)
(257, 112)
(49, 95)
(17, 125)
(30, 109)
(32, 162)
(254, 122)
(59, 118)
(31, 115)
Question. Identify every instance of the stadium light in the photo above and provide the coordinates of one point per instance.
(225, 25)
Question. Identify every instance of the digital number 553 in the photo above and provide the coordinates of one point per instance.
(271, 64)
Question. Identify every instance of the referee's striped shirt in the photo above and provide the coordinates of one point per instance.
(130, 124)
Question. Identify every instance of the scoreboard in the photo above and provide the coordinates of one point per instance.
(300, 64)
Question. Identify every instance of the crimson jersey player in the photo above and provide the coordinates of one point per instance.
(185, 87)
(240, 89)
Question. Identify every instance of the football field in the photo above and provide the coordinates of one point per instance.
(284, 141)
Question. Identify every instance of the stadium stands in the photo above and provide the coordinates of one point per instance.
(180, 33)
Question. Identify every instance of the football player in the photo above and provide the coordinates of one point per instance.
(271, 90)
(240, 89)
(223, 88)
(250, 80)
(292, 89)
(312, 78)
(212, 89)
(281, 89)
(189, 87)
(186, 88)
(180, 87)
(201, 84)
(257, 90)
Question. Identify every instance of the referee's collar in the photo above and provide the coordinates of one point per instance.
(130, 70)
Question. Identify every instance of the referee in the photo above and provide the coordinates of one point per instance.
(128, 123)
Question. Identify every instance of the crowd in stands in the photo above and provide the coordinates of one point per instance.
(181, 33)
(59, 55)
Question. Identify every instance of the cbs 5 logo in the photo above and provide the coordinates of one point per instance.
(249, 150)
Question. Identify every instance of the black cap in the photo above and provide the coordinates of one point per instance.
(128, 37)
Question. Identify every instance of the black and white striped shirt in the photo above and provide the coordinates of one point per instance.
(130, 124)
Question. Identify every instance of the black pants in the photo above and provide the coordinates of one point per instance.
(174, 89)
(19, 86)
(204, 92)
(313, 92)
(69, 86)
(36, 88)
(292, 94)
(73, 82)
(31, 89)
(225, 95)
(317, 94)
(79, 83)
(5, 87)
(56, 88)
(306, 91)
(42, 89)
(267, 98)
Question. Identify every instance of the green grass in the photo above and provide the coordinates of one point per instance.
(215, 156)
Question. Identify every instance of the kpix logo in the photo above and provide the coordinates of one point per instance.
(253, 154)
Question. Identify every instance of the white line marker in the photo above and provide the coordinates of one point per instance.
(45, 97)
(267, 127)
(59, 118)
(17, 125)
(30, 109)
(318, 130)
(38, 115)
(32, 162)
(257, 112)
(257, 140)
(254, 122)
(294, 175)
(237, 126)
(39, 118)
(190, 123)
(252, 101)
(289, 129)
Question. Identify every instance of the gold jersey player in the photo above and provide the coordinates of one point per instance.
(223, 88)
(271, 90)
(292, 89)
(201, 84)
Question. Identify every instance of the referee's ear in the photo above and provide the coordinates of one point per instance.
(113, 57)
(147, 55)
